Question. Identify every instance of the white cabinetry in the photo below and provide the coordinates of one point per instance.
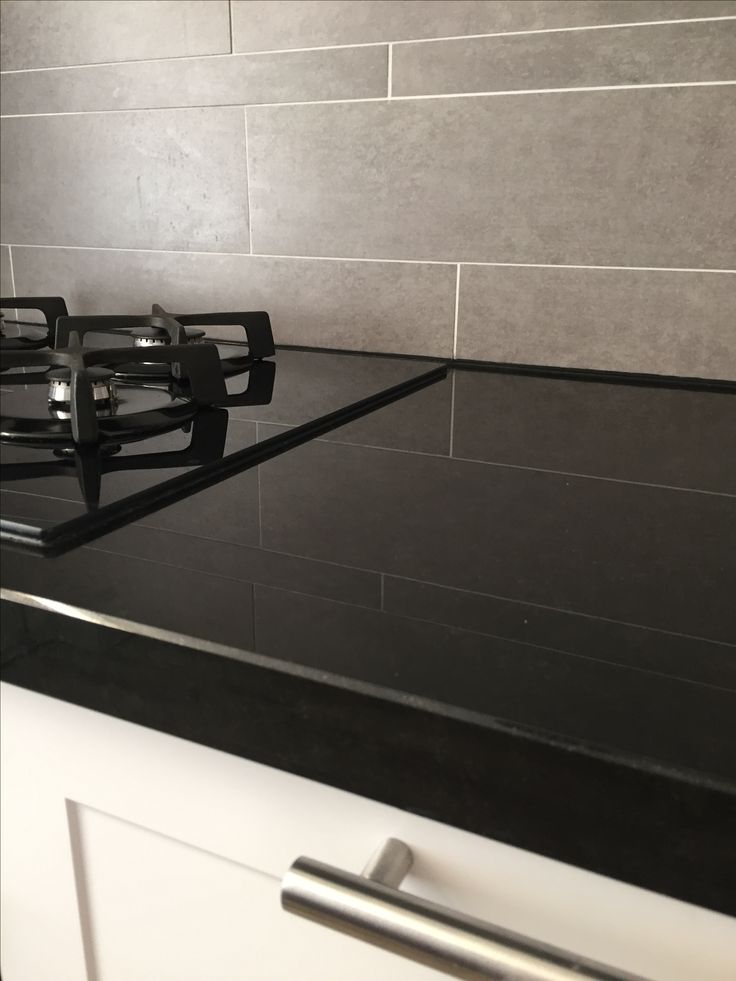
(129, 855)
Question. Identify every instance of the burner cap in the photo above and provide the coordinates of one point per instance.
(150, 336)
(153, 336)
(103, 386)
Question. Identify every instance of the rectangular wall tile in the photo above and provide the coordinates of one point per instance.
(295, 76)
(6, 280)
(635, 177)
(397, 308)
(671, 323)
(262, 25)
(684, 52)
(171, 179)
(655, 435)
(39, 34)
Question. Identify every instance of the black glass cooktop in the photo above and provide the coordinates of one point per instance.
(154, 444)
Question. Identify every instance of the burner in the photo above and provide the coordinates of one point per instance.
(165, 370)
(82, 385)
(155, 336)
(102, 381)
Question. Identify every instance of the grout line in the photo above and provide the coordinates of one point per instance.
(221, 54)
(226, 105)
(12, 271)
(390, 70)
(452, 415)
(568, 30)
(712, 83)
(372, 44)
(332, 258)
(230, 22)
(519, 466)
(557, 91)
(393, 575)
(247, 183)
(260, 517)
(12, 283)
(255, 618)
(457, 310)
(572, 265)
(258, 489)
(557, 609)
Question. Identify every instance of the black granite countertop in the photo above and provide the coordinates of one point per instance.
(505, 602)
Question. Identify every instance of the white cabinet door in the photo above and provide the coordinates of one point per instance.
(104, 895)
(130, 855)
(161, 909)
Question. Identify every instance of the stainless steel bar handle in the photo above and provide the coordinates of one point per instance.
(370, 907)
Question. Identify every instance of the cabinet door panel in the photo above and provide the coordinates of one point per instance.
(161, 909)
(153, 857)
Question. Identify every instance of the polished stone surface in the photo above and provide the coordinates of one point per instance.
(541, 601)
(668, 437)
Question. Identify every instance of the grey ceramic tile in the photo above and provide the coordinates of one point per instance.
(618, 643)
(39, 34)
(548, 690)
(260, 25)
(634, 177)
(684, 52)
(6, 279)
(297, 76)
(172, 179)
(518, 534)
(399, 308)
(672, 323)
(655, 435)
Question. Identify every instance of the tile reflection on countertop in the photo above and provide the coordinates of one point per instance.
(604, 704)
(546, 551)
(652, 435)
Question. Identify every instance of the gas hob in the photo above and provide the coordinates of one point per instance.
(97, 411)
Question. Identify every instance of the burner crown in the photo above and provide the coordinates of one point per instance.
(101, 379)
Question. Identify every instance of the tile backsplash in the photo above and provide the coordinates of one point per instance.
(527, 181)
